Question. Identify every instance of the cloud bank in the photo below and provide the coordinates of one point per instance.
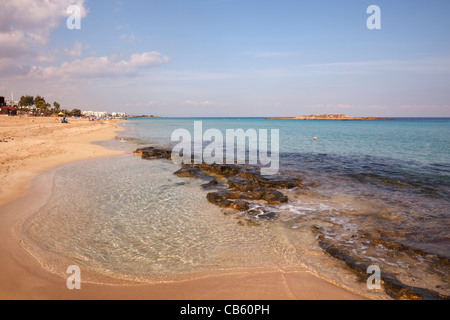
(99, 67)
(25, 30)
(28, 23)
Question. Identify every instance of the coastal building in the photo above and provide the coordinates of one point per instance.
(118, 114)
(10, 111)
(98, 114)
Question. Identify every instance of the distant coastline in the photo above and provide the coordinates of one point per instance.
(341, 117)
(143, 116)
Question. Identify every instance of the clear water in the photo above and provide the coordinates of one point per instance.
(421, 140)
(137, 218)
(379, 191)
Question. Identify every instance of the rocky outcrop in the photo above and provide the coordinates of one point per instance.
(239, 186)
(390, 283)
(235, 187)
(153, 153)
(331, 117)
(242, 190)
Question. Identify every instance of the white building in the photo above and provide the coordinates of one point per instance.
(118, 114)
(98, 114)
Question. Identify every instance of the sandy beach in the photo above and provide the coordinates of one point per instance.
(33, 145)
(30, 150)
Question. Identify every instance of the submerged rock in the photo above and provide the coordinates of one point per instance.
(218, 200)
(244, 184)
(153, 153)
(268, 215)
(224, 199)
(271, 196)
(240, 205)
(188, 172)
(213, 183)
(392, 286)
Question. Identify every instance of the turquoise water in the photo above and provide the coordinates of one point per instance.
(422, 140)
(378, 191)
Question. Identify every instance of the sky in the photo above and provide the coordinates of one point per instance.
(230, 58)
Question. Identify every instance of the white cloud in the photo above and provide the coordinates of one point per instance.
(47, 57)
(25, 28)
(9, 67)
(13, 44)
(98, 67)
(28, 23)
(77, 50)
(198, 103)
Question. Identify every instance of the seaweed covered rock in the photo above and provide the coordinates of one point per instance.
(153, 153)
(239, 186)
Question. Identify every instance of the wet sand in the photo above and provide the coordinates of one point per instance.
(27, 167)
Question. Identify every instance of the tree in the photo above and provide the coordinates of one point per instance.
(40, 104)
(46, 108)
(76, 112)
(56, 105)
(26, 101)
(38, 99)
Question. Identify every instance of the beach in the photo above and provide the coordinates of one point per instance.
(36, 144)
(35, 149)
(220, 151)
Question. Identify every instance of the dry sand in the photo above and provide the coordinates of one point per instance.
(46, 144)
(49, 144)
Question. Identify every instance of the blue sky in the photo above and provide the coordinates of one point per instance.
(230, 57)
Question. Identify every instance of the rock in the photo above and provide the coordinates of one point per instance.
(210, 184)
(331, 117)
(245, 183)
(187, 172)
(222, 199)
(241, 184)
(268, 216)
(153, 153)
(240, 205)
(271, 196)
(392, 286)
(237, 198)
(233, 195)
(218, 200)
(219, 169)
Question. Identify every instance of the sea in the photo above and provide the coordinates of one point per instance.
(377, 193)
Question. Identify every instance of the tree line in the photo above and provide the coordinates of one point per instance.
(38, 106)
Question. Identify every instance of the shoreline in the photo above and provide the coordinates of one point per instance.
(22, 277)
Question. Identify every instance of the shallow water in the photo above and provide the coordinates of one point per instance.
(124, 216)
(378, 191)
